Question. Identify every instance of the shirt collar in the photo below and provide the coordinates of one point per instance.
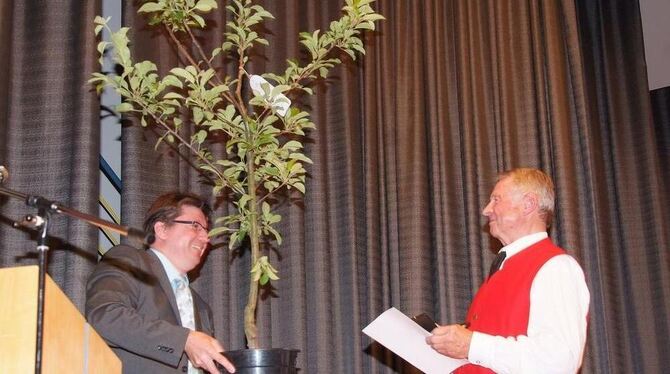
(523, 243)
(171, 271)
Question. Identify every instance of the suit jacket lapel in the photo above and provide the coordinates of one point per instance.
(196, 312)
(164, 281)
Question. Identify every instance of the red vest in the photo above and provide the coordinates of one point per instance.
(502, 304)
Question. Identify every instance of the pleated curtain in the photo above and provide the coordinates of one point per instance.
(409, 140)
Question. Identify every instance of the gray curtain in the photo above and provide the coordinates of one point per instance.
(408, 142)
(49, 132)
(660, 100)
(629, 263)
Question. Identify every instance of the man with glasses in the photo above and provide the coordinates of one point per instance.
(140, 300)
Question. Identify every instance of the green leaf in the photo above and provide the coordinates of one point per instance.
(292, 145)
(172, 95)
(101, 51)
(242, 202)
(150, 7)
(366, 26)
(300, 157)
(197, 114)
(98, 20)
(276, 234)
(218, 231)
(124, 107)
(271, 219)
(183, 73)
(262, 271)
(299, 186)
(200, 136)
(241, 234)
(359, 48)
(270, 171)
(206, 5)
(373, 17)
(199, 20)
(230, 112)
(218, 89)
(270, 185)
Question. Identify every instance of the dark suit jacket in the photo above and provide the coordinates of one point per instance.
(130, 303)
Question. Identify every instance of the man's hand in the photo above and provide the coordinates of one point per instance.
(203, 350)
(452, 340)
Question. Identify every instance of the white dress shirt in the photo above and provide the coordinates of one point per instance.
(559, 303)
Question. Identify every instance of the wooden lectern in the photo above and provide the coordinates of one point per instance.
(70, 345)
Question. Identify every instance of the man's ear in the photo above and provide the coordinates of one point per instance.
(160, 228)
(530, 203)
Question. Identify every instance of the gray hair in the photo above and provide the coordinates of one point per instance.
(537, 182)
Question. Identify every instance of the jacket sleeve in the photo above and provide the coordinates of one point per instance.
(128, 308)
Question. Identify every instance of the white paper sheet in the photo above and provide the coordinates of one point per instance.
(404, 337)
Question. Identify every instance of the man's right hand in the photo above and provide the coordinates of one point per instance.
(452, 340)
(203, 350)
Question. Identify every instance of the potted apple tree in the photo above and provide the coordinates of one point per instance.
(251, 114)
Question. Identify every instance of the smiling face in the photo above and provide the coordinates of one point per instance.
(506, 212)
(183, 244)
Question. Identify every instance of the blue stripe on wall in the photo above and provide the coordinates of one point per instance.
(110, 174)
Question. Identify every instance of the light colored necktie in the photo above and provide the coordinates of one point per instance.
(185, 305)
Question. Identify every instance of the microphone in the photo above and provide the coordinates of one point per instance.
(4, 174)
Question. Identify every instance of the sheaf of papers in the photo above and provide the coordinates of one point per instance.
(404, 337)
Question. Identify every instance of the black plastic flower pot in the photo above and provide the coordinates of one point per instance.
(263, 361)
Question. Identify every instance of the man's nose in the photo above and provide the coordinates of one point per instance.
(487, 210)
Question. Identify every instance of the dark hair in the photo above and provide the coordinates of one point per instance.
(168, 206)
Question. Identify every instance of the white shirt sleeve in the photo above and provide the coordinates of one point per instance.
(559, 303)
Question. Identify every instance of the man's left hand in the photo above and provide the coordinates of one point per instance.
(203, 350)
(451, 340)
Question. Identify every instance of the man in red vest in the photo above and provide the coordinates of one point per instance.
(530, 315)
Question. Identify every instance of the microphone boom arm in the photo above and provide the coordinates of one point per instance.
(55, 207)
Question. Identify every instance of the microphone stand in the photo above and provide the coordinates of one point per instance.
(45, 208)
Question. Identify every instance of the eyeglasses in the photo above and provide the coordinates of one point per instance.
(197, 226)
